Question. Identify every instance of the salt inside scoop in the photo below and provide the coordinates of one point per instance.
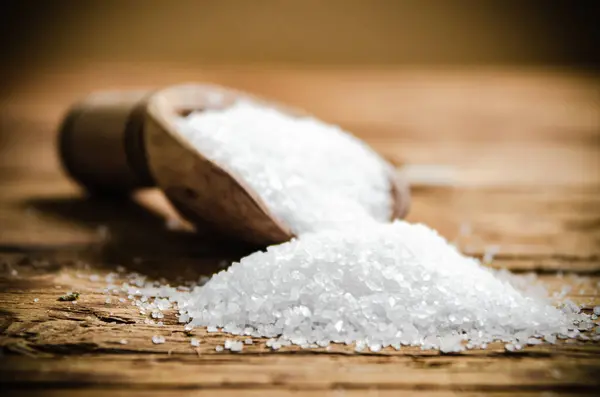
(310, 174)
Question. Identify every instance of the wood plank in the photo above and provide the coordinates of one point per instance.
(518, 151)
(498, 133)
(537, 120)
(34, 322)
(299, 372)
(336, 392)
(551, 229)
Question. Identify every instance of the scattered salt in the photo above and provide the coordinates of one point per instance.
(597, 310)
(233, 345)
(36, 300)
(194, 342)
(219, 348)
(124, 341)
(158, 339)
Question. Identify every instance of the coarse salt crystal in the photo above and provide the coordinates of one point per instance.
(158, 339)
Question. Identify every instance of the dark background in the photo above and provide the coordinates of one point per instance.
(38, 35)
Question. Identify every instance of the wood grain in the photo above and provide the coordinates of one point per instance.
(522, 151)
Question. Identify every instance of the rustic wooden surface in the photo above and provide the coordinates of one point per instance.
(521, 168)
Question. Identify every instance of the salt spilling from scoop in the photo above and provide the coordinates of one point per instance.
(349, 277)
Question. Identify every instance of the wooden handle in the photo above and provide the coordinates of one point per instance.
(101, 142)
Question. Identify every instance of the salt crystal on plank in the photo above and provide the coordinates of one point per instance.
(158, 339)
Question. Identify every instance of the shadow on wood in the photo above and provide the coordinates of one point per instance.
(131, 235)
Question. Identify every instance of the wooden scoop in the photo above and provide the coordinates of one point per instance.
(115, 142)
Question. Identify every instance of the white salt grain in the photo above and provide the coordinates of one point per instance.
(158, 339)
(550, 338)
(597, 310)
(233, 345)
(194, 342)
(219, 348)
(533, 341)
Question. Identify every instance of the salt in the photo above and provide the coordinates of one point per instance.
(158, 339)
(393, 283)
(233, 345)
(550, 338)
(351, 276)
(311, 175)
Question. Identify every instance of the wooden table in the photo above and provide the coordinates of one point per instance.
(518, 165)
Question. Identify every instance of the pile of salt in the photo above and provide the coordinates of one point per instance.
(349, 277)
